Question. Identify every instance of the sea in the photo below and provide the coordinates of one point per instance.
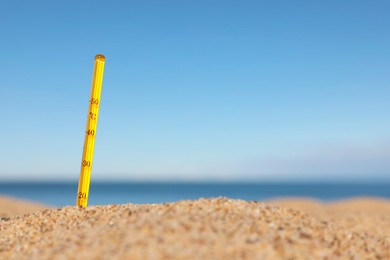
(102, 193)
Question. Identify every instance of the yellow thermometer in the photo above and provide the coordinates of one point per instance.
(90, 132)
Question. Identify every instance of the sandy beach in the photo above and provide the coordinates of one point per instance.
(13, 207)
(218, 228)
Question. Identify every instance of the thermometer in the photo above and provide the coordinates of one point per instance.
(90, 132)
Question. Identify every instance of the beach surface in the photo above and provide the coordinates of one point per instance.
(217, 228)
(12, 207)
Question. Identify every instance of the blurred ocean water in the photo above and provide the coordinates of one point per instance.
(64, 193)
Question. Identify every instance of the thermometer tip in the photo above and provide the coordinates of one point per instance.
(100, 57)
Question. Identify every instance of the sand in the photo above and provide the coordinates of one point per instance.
(11, 207)
(362, 215)
(218, 228)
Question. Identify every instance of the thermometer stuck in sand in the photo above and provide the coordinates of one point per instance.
(90, 132)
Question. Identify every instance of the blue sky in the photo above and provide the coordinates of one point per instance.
(197, 90)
